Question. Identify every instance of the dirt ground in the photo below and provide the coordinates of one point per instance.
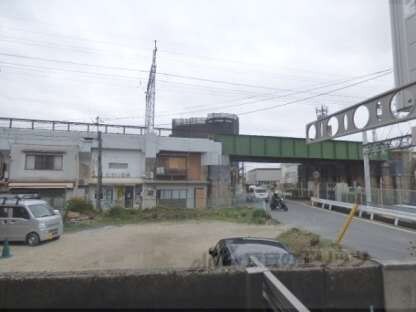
(138, 246)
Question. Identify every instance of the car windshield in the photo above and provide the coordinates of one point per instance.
(41, 210)
(260, 191)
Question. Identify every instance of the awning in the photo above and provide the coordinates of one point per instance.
(42, 185)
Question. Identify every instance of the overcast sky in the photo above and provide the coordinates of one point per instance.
(75, 60)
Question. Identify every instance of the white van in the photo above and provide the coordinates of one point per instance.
(25, 217)
(256, 193)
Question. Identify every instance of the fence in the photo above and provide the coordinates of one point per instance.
(60, 125)
(380, 197)
(396, 215)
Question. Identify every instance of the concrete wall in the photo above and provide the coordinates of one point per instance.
(343, 289)
(337, 288)
(399, 286)
(69, 163)
(219, 191)
(134, 160)
(123, 289)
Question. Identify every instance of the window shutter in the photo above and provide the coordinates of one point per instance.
(57, 163)
(30, 162)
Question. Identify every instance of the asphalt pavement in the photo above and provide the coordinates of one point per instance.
(381, 241)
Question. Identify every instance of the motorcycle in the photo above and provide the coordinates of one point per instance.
(278, 203)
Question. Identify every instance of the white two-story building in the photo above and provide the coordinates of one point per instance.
(138, 170)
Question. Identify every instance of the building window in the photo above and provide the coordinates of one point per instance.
(117, 165)
(43, 162)
(173, 162)
(173, 194)
(165, 194)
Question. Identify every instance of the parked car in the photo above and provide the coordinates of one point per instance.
(238, 250)
(25, 217)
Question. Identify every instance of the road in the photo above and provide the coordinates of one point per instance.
(381, 241)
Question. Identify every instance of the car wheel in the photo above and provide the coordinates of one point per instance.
(32, 239)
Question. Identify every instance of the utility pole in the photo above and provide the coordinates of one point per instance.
(99, 169)
(321, 112)
(150, 95)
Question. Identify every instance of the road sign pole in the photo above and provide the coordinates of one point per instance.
(367, 180)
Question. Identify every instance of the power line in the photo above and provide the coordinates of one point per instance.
(71, 70)
(268, 98)
(166, 74)
(85, 50)
(241, 63)
(44, 59)
(144, 71)
(379, 74)
(310, 97)
(72, 37)
(205, 57)
(82, 80)
(39, 69)
(295, 93)
(314, 96)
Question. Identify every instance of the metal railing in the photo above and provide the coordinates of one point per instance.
(387, 198)
(396, 215)
(60, 125)
(274, 292)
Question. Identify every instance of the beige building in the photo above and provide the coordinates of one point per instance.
(264, 176)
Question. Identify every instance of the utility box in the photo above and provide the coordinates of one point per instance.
(403, 26)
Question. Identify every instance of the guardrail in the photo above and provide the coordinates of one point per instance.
(278, 297)
(395, 215)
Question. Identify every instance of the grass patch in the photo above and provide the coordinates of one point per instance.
(120, 216)
(84, 225)
(311, 248)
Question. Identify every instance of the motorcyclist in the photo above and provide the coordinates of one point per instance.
(277, 202)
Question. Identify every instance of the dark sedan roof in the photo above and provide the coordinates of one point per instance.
(268, 251)
(252, 240)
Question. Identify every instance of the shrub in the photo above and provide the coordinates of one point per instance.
(259, 214)
(300, 241)
(117, 212)
(78, 204)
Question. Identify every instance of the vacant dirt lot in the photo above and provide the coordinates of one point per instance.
(143, 246)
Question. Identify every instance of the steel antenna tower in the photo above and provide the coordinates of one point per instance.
(150, 95)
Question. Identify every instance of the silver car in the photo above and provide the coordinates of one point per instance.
(25, 218)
